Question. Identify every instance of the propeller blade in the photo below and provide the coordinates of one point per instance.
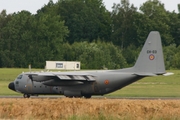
(30, 77)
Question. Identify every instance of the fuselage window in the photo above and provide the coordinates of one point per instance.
(19, 77)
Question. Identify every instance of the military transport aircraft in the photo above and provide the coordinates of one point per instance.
(78, 84)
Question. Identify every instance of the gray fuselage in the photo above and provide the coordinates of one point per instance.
(106, 82)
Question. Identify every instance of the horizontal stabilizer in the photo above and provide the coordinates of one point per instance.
(168, 74)
(145, 74)
(151, 74)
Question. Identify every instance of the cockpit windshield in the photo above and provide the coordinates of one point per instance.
(19, 77)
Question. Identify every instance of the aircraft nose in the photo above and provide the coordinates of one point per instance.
(11, 86)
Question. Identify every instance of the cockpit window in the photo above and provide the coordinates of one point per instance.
(19, 77)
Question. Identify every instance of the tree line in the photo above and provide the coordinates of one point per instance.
(84, 30)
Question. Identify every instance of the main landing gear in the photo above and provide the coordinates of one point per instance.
(26, 96)
(87, 96)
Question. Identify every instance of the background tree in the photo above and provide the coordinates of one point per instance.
(4, 19)
(49, 34)
(32, 39)
(85, 31)
(174, 24)
(123, 17)
(86, 19)
(155, 19)
(15, 35)
(95, 55)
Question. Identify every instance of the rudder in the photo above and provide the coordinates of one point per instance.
(151, 59)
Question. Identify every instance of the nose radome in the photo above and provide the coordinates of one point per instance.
(11, 86)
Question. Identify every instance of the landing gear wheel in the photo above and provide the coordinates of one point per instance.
(69, 96)
(87, 96)
(26, 96)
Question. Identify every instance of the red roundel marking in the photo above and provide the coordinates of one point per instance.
(151, 57)
(106, 82)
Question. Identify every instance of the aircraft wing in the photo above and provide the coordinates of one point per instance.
(40, 77)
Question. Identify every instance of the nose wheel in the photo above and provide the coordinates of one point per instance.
(26, 96)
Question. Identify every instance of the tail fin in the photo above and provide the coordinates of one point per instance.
(151, 61)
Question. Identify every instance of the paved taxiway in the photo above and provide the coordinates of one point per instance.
(99, 97)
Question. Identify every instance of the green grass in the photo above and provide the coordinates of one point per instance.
(8, 75)
(4, 90)
(160, 86)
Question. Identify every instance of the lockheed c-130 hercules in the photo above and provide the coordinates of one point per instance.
(78, 84)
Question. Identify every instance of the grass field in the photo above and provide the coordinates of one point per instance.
(8, 75)
(159, 86)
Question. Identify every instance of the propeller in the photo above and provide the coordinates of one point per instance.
(31, 78)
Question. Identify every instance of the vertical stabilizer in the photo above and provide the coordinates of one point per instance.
(151, 58)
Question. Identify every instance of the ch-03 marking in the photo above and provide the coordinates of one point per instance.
(88, 83)
(151, 51)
